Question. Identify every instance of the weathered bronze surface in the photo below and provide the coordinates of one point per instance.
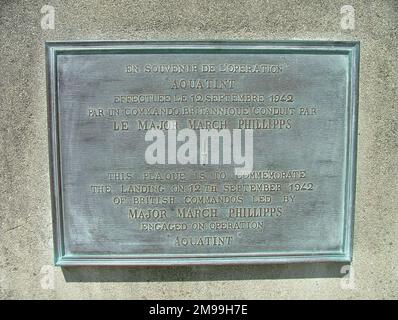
(112, 207)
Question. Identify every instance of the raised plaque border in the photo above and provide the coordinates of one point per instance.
(53, 49)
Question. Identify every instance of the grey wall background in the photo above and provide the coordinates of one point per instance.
(26, 269)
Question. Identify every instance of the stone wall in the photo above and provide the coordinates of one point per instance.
(26, 253)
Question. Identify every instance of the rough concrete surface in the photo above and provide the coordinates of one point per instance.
(26, 253)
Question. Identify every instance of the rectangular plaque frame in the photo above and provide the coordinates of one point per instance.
(55, 49)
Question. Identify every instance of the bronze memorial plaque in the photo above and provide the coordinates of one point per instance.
(166, 153)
